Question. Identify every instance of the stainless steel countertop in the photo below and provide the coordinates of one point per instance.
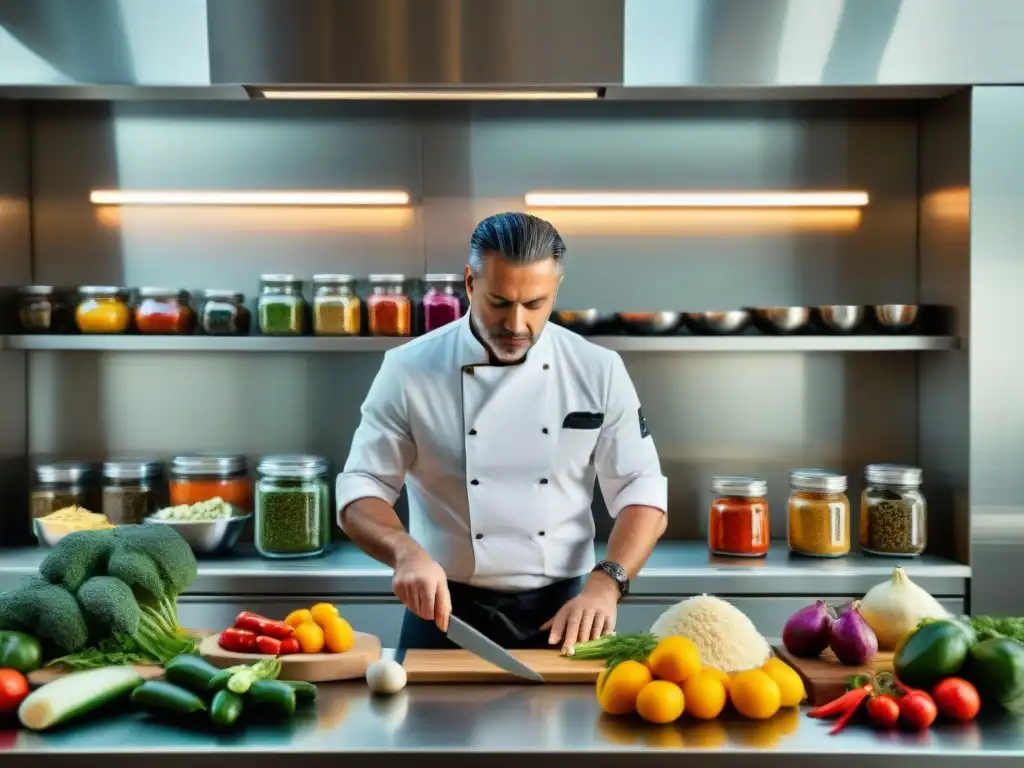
(675, 568)
(470, 721)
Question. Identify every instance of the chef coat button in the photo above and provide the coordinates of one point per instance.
(546, 366)
(472, 431)
(541, 533)
(474, 481)
(543, 481)
(545, 430)
(479, 536)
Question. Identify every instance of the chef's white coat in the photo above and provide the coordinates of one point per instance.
(500, 461)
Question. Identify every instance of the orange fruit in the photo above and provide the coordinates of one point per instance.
(618, 687)
(719, 674)
(660, 702)
(675, 659)
(755, 694)
(705, 695)
(791, 686)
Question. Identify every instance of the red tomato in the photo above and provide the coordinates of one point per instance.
(884, 710)
(918, 710)
(13, 688)
(957, 699)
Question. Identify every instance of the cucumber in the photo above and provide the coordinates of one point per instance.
(220, 680)
(273, 696)
(226, 708)
(304, 692)
(76, 694)
(160, 697)
(191, 672)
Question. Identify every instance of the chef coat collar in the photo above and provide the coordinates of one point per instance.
(474, 353)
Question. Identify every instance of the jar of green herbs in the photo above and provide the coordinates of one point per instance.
(281, 308)
(893, 511)
(293, 516)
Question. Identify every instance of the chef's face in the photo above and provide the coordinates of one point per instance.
(511, 303)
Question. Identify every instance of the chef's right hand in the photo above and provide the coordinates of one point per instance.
(422, 586)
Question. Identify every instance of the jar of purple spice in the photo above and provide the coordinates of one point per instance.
(443, 302)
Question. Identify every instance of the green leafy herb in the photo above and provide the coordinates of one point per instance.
(615, 649)
(999, 626)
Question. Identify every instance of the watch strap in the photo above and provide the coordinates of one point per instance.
(616, 573)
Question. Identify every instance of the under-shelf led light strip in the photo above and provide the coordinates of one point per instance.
(761, 199)
(379, 197)
(430, 95)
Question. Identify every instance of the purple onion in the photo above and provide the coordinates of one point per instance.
(853, 641)
(807, 632)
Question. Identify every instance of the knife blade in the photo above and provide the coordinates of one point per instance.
(469, 639)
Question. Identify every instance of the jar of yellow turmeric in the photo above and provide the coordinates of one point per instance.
(819, 513)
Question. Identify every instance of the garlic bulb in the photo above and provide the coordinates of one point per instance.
(895, 607)
(386, 676)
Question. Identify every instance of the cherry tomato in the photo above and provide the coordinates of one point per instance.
(957, 699)
(13, 688)
(884, 710)
(918, 710)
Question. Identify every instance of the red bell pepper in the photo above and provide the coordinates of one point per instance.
(290, 645)
(237, 640)
(268, 645)
(261, 625)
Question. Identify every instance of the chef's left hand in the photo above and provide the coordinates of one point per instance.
(588, 616)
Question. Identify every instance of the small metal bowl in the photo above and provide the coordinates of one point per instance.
(650, 323)
(781, 319)
(895, 318)
(208, 537)
(840, 318)
(718, 322)
(582, 321)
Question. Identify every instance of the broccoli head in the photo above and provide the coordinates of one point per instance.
(48, 612)
(167, 548)
(77, 557)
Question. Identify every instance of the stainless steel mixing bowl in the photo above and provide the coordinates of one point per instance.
(781, 319)
(840, 318)
(208, 537)
(895, 317)
(727, 321)
(650, 323)
(581, 321)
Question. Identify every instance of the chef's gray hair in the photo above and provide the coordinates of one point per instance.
(518, 237)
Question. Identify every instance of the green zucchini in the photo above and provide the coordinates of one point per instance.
(304, 692)
(272, 696)
(226, 708)
(996, 667)
(160, 697)
(191, 672)
(76, 694)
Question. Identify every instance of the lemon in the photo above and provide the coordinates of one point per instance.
(755, 694)
(705, 695)
(660, 702)
(791, 686)
(719, 674)
(675, 659)
(619, 687)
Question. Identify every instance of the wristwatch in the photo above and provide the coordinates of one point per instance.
(617, 574)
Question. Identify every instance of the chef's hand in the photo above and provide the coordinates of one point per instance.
(422, 586)
(588, 616)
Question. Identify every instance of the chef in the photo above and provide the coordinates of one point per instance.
(498, 425)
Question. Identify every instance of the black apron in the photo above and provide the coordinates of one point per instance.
(511, 619)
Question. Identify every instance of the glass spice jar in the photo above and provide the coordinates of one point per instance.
(293, 517)
(40, 309)
(224, 313)
(819, 513)
(205, 476)
(281, 307)
(443, 301)
(165, 311)
(103, 309)
(129, 490)
(738, 519)
(893, 511)
(336, 307)
(389, 310)
(63, 484)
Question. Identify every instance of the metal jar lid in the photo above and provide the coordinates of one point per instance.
(151, 292)
(281, 279)
(102, 290)
(208, 464)
(739, 486)
(223, 294)
(443, 278)
(64, 472)
(36, 290)
(297, 466)
(893, 474)
(817, 480)
(333, 279)
(131, 469)
(386, 278)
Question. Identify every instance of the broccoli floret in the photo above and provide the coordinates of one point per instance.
(138, 571)
(77, 557)
(167, 548)
(47, 611)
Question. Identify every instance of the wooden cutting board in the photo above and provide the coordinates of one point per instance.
(311, 667)
(458, 666)
(825, 678)
(49, 674)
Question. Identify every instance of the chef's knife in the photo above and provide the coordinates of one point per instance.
(467, 638)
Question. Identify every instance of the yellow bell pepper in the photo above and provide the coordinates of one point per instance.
(338, 635)
(322, 613)
(300, 616)
(310, 637)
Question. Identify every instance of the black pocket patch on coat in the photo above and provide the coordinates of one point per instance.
(644, 429)
(583, 420)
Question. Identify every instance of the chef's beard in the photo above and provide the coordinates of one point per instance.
(492, 339)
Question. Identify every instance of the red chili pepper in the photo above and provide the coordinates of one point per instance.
(290, 645)
(237, 640)
(853, 706)
(839, 706)
(261, 625)
(268, 645)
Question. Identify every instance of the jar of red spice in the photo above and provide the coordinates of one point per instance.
(205, 476)
(738, 519)
(164, 311)
(442, 303)
(388, 309)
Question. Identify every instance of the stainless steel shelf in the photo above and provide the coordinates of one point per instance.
(745, 343)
